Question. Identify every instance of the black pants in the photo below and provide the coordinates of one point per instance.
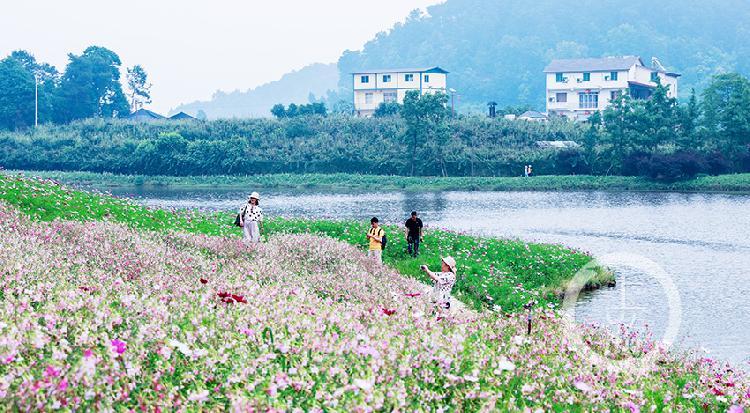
(413, 245)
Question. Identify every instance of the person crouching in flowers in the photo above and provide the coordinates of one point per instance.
(444, 280)
(251, 219)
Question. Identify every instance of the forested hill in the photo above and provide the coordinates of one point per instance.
(497, 49)
(294, 87)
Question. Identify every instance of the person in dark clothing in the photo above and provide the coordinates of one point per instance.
(413, 233)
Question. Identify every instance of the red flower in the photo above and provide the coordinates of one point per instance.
(717, 392)
(204, 281)
(389, 312)
(239, 298)
(223, 295)
(413, 295)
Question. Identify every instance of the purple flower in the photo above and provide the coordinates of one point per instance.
(118, 346)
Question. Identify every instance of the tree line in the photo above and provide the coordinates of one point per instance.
(657, 137)
(89, 87)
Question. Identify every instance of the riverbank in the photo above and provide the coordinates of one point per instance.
(201, 321)
(737, 183)
(496, 273)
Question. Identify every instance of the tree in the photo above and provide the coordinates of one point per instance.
(91, 86)
(726, 106)
(17, 92)
(140, 89)
(426, 123)
(16, 95)
(387, 109)
(279, 111)
(689, 117)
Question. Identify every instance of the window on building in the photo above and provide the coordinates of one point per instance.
(615, 94)
(587, 77)
(386, 78)
(559, 77)
(588, 100)
(390, 97)
(409, 78)
(368, 98)
(561, 97)
(365, 79)
(613, 76)
(427, 78)
(654, 76)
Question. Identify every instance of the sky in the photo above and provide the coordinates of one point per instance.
(192, 48)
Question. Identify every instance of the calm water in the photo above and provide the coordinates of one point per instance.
(699, 240)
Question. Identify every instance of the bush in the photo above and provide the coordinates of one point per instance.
(677, 166)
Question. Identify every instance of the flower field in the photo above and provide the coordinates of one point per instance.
(99, 316)
(133, 316)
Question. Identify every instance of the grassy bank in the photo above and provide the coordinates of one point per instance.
(723, 183)
(501, 274)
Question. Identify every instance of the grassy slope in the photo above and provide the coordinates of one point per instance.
(492, 272)
(723, 183)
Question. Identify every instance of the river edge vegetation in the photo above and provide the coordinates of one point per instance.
(142, 313)
(496, 273)
(736, 183)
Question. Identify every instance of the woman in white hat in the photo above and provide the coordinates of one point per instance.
(444, 280)
(251, 219)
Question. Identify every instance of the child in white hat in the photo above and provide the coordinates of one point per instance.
(251, 219)
(444, 280)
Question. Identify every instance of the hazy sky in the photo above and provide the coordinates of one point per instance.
(191, 48)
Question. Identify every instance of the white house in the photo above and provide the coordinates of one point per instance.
(373, 87)
(576, 88)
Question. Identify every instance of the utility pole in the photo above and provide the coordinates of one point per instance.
(453, 102)
(36, 100)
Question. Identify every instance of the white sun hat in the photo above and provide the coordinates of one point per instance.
(255, 195)
(449, 261)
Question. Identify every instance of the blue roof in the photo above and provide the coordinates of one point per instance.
(434, 69)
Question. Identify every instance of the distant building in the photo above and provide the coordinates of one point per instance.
(181, 116)
(533, 116)
(142, 115)
(576, 88)
(557, 144)
(373, 87)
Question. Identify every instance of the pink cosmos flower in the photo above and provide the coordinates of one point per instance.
(118, 346)
(51, 372)
(632, 407)
(736, 409)
(88, 353)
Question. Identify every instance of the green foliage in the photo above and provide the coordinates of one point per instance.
(726, 104)
(316, 108)
(387, 109)
(16, 95)
(426, 125)
(307, 144)
(91, 86)
(140, 89)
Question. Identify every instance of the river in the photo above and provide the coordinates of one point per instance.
(700, 241)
